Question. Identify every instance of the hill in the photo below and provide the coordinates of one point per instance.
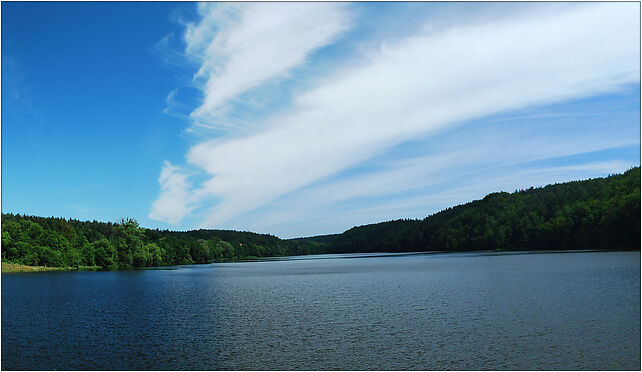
(601, 213)
(317, 238)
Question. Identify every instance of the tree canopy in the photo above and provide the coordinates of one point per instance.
(51, 241)
(601, 213)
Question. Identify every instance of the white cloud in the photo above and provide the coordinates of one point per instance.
(294, 218)
(421, 85)
(458, 170)
(175, 199)
(242, 46)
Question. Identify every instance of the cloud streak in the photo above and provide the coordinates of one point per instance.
(422, 85)
(242, 46)
(175, 199)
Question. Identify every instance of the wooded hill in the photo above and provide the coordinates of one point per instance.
(601, 213)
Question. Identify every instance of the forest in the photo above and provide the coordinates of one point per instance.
(596, 214)
(59, 242)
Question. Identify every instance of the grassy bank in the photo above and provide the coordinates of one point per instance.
(8, 267)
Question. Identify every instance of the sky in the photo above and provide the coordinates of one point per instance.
(301, 119)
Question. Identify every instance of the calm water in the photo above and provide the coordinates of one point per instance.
(437, 311)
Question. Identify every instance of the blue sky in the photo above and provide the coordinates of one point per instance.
(308, 118)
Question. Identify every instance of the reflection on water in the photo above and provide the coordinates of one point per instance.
(381, 311)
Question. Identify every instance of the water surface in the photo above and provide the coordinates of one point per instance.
(392, 312)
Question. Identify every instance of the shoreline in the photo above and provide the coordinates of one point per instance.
(9, 267)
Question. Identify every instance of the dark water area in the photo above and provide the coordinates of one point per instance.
(557, 311)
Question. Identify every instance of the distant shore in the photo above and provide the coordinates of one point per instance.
(8, 267)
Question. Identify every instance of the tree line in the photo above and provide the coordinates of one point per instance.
(595, 214)
(601, 213)
(59, 242)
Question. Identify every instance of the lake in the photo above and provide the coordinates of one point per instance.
(459, 311)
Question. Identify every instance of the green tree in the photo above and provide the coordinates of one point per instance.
(106, 255)
(127, 238)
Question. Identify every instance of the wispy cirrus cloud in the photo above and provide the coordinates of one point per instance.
(241, 46)
(449, 170)
(422, 85)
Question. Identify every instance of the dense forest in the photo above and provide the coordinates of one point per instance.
(60, 242)
(602, 213)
